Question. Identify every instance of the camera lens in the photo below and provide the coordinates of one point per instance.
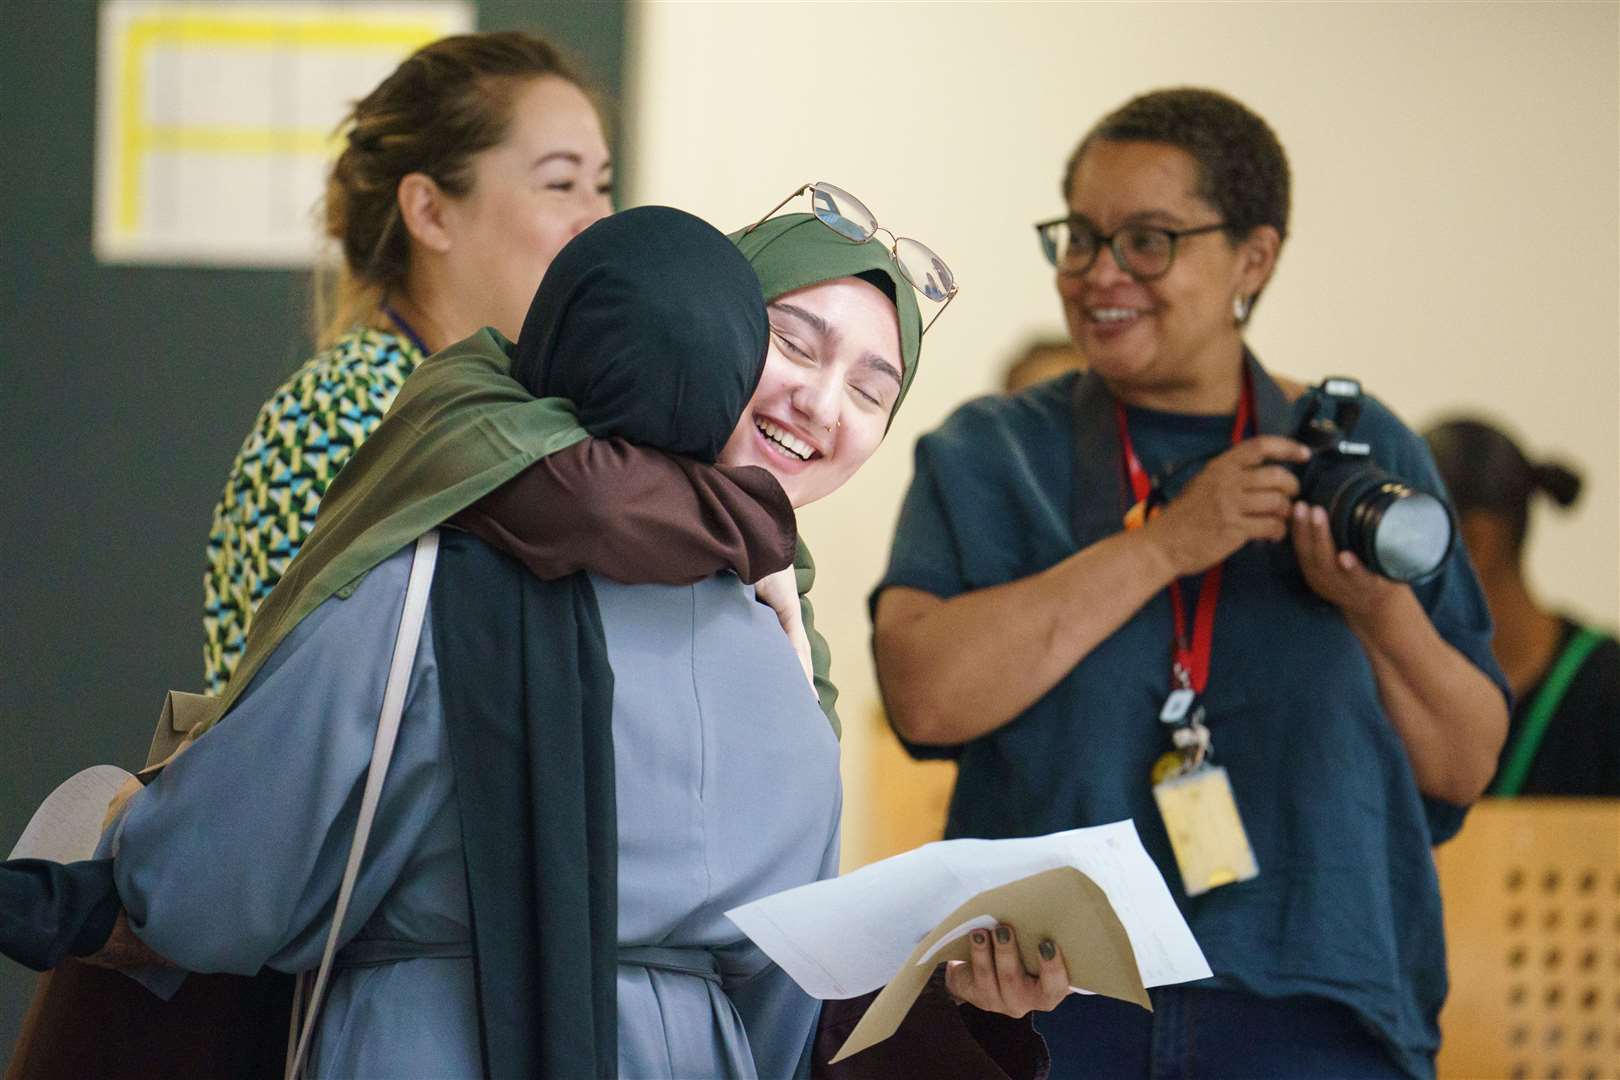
(1412, 536)
(1393, 529)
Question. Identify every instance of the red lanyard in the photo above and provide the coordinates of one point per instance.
(1190, 669)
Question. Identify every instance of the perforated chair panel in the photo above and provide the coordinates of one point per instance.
(1532, 909)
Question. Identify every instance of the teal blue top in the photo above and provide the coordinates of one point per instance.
(1346, 905)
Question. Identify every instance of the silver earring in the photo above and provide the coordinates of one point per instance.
(1240, 308)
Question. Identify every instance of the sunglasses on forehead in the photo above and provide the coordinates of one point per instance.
(847, 216)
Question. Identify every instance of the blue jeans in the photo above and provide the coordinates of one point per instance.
(1196, 1034)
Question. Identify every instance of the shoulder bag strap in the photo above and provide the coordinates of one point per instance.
(393, 707)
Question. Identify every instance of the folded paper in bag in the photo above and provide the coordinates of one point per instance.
(183, 714)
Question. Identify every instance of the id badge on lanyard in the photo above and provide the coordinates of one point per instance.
(1194, 795)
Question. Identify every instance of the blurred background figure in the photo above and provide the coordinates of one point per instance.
(1041, 359)
(462, 175)
(1564, 734)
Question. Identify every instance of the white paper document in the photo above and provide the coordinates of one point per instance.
(847, 936)
(67, 824)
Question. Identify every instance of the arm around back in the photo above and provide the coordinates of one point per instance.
(637, 515)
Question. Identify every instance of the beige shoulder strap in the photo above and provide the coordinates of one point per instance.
(393, 707)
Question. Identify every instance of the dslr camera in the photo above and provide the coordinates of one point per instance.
(1394, 529)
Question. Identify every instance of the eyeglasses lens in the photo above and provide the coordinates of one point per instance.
(1069, 249)
(925, 270)
(1146, 251)
(1143, 252)
(843, 213)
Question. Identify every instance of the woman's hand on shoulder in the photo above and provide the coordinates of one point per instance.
(1244, 494)
(781, 592)
(994, 979)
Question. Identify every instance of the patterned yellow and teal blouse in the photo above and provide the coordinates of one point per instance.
(303, 435)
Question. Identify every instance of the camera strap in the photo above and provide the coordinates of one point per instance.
(1192, 647)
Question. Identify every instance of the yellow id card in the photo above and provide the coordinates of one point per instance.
(1205, 830)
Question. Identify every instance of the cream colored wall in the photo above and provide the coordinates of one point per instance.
(1456, 212)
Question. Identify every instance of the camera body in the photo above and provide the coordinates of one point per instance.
(1395, 529)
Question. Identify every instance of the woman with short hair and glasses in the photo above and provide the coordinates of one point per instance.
(1106, 599)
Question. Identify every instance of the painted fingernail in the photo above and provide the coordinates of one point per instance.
(1003, 934)
(1319, 515)
(979, 938)
(1048, 950)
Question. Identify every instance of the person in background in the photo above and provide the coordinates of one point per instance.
(463, 174)
(1083, 671)
(1041, 359)
(1564, 733)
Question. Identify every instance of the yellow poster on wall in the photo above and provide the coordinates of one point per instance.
(216, 121)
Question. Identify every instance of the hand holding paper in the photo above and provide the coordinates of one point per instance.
(993, 977)
(1094, 892)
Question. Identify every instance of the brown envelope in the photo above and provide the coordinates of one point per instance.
(1061, 905)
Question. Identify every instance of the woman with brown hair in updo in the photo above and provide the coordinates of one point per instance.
(465, 171)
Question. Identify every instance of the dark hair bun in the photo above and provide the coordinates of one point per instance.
(1562, 485)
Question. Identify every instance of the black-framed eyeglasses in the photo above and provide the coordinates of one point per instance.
(847, 216)
(1143, 251)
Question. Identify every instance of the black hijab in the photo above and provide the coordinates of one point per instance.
(653, 324)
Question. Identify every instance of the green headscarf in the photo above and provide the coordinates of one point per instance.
(462, 426)
(796, 250)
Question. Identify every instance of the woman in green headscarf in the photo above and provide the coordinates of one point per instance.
(609, 763)
(465, 425)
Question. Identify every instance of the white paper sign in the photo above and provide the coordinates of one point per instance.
(215, 122)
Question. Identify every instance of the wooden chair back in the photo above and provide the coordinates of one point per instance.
(1532, 909)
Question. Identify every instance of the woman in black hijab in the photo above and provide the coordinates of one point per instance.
(509, 918)
(494, 882)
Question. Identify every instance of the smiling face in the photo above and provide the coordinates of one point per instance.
(832, 377)
(544, 184)
(1159, 340)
